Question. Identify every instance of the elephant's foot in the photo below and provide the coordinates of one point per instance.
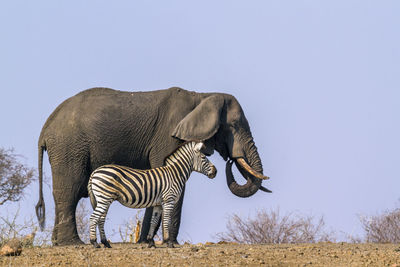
(174, 242)
(66, 234)
(170, 244)
(94, 243)
(143, 241)
(106, 243)
(67, 242)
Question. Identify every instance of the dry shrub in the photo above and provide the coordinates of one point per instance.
(82, 218)
(14, 176)
(129, 230)
(10, 228)
(269, 227)
(382, 228)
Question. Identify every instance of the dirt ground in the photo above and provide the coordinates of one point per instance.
(210, 254)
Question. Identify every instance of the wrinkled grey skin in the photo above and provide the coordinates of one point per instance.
(137, 129)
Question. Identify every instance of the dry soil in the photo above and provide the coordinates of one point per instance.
(209, 254)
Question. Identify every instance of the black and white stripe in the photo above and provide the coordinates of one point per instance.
(159, 188)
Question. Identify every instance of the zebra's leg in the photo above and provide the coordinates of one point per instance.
(155, 219)
(94, 220)
(102, 221)
(166, 220)
(103, 237)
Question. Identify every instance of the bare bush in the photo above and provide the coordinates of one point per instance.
(82, 217)
(14, 176)
(10, 228)
(269, 227)
(129, 231)
(382, 228)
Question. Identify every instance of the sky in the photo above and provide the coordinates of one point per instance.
(319, 82)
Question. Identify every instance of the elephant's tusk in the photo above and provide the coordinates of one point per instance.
(262, 188)
(242, 171)
(250, 170)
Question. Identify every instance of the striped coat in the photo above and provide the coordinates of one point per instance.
(159, 188)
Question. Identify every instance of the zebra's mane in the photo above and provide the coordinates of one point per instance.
(179, 147)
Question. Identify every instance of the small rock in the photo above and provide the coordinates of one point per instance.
(11, 248)
(194, 249)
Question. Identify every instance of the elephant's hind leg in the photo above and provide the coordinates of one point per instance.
(155, 223)
(65, 232)
(69, 186)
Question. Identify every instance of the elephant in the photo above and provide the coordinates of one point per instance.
(101, 126)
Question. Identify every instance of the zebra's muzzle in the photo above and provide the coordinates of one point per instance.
(212, 173)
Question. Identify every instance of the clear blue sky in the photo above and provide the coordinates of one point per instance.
(319, 82)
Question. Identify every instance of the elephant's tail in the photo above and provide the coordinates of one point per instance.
(91, 196)
(40, 207)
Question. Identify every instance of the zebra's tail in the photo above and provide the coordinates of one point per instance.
(91, 196)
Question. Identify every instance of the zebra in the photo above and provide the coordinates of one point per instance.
(159, 188)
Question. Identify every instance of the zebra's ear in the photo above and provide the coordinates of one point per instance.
(202, 122)
(199, 146)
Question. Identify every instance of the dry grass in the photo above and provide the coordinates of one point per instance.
(10, 228)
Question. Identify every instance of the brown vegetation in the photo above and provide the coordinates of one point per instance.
(269, 227)
(382, 228)
(14, 176)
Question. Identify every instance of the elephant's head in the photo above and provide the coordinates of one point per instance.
(219, 120)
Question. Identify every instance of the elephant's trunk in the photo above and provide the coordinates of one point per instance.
(251, 171)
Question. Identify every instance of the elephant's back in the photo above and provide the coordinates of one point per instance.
(102, 107)
(69, 108)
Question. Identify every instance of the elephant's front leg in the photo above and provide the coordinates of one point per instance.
(174, 224)
(155, 224)
(166, 220)
(176, 219)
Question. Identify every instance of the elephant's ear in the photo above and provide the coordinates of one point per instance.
(202, 122)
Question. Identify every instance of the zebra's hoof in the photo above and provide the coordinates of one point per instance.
(106, 243)
(94, 243)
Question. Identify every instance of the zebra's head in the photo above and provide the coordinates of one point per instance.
(201, 163)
